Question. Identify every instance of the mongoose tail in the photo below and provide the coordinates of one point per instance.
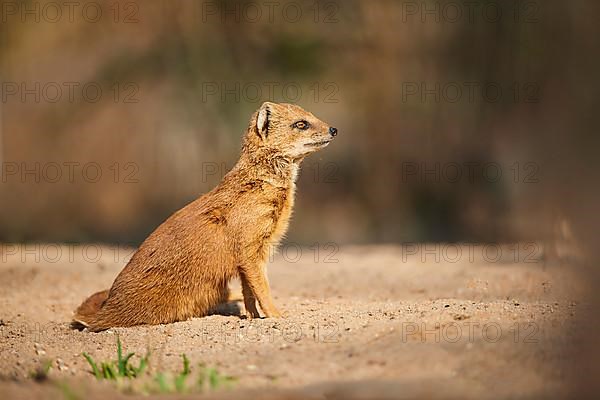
(86, 312)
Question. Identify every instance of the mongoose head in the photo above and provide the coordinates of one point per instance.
(288, 130)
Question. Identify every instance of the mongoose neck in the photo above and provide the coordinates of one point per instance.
(270, 166)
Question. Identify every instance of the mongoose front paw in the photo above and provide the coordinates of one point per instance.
(275, 313)
(251, 314)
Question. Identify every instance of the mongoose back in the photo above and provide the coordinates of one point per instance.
(183, 268)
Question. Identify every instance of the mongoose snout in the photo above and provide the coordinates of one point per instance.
(322, 142)
(183, 268)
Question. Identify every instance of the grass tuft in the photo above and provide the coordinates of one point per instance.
(120, 368)
(161, 382)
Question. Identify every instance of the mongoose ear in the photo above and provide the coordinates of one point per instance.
(262, 121)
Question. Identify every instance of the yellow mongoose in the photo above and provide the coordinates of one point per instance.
(182, 269)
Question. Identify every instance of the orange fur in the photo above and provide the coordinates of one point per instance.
(183, 268)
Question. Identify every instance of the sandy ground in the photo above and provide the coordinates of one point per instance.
(362, 322)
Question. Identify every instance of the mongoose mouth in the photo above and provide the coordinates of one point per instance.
(322, 143)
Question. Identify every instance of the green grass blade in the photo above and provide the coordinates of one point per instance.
(120, 363)
(182, 376)
(124, 368)
(180, 383)
(213, 378)
(186, 365)
(110, 372)
(141, 367)
(162, 382)
(119, 348)
(92, 363)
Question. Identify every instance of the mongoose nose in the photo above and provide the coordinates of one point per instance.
(333, 131)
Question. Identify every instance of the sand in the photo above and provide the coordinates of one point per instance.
(361, 322)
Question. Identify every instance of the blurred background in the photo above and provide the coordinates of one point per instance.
(460, 121)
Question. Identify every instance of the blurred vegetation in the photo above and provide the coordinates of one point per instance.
(356, 65)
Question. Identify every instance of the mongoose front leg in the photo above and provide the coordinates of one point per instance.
(256, 286)
(249, 299)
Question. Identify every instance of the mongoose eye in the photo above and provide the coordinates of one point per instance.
(301, 125)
